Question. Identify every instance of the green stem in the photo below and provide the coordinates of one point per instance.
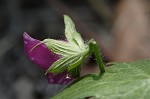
(95, 49)
(75, 72)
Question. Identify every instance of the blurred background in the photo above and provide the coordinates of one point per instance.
(121, 27)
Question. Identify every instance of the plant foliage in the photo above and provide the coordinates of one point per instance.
(120, 81)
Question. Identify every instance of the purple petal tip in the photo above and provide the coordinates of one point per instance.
(44, 58)
(40, 54)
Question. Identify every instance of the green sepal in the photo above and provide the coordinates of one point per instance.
(73, 51)
(76, 63)
(61, 47)
(63, 63)
(71, 34)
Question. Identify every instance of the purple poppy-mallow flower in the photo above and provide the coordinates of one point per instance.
(44, 58)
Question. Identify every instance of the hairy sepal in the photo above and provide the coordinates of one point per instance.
(63, 63)
(73, 51)
(71, 34)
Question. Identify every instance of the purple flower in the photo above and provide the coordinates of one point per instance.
(61, 78)
(44, 58)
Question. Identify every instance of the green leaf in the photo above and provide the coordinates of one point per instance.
(71, 34)
(120, 81)
(63, 63)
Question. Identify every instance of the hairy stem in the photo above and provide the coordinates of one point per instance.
(95, 49)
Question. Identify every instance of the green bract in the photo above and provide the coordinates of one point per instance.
(73, 51)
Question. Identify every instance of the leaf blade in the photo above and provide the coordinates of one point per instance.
(121, 80)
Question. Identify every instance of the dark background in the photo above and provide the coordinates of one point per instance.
(121, 27)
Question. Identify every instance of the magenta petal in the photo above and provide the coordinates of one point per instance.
(44, 58)
(59, 78)
(40, 55)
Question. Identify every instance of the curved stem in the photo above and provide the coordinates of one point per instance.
(95, 49)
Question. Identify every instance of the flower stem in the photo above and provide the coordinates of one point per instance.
(93, 47)
(75, 72)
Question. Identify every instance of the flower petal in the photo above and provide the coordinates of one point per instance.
(40, 55)
(44, 58)
(61, 78)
